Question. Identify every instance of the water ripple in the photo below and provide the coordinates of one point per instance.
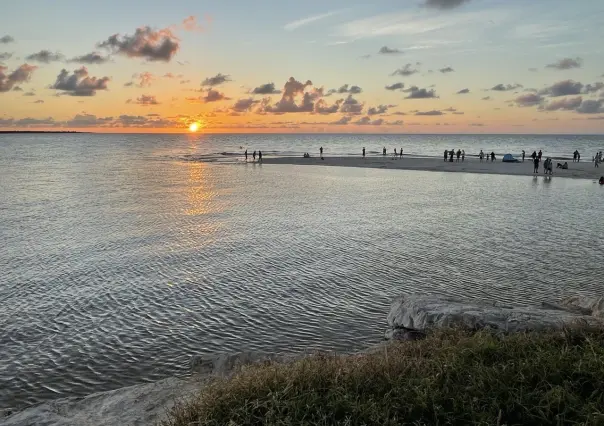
(121, 265)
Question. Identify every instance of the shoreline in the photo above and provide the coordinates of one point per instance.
(411, 318)
(580, 170)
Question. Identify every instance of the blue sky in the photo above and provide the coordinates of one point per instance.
(483, 43)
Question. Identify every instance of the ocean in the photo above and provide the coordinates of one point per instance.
(123, 255)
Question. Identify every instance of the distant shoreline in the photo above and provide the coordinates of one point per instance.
(13, 132)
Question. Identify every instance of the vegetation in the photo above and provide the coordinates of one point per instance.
(450, 378)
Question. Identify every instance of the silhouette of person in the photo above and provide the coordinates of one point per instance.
(246, 155)
(260, 156)
(363, 152)
(254, 156)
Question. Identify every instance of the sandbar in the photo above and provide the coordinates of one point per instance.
(578, 170)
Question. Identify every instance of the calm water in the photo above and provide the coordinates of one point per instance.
(121, 257)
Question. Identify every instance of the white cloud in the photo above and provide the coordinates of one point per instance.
(306, 21)
(418, 23)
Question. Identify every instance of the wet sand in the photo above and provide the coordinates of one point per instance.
(582, 170)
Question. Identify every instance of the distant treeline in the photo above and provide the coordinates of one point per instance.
(39, 131)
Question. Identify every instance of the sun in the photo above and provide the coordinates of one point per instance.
(193, 127)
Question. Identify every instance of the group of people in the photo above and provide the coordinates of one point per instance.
(482, 156)
(461, 153)
(254, 156)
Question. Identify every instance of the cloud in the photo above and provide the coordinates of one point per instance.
(563, 88)
(396, 123)
(217, 80)
(380, 109)
(593, 88)
(405, 71)
(88, 120)
(147, 43)
(505, 87)
(144, 100)
(29, 122)
(566, 104)
(367, 121)
(92, 58)
(29, 94)
(266, 89)
(144, 78)
(342, 121)
(185, 81)
(45, 56)
(190, 24)
(306, 21)
(486, 98)
(39, 101)
(5, 55)
(450, 109)
(351, 106)
(463, 91)
(458, 113)
(417, 93)
(385, 50)
(476, 124)
(214, 96)
(6, 39)
(528, 100)
(433, 112)
(446, 70)
(566, 64)
(395, 86)
(20, 75)
(444, 4)
(322, 107)
(591, 107)
(533, 69)
(173, 76)
(244, 105)
(293, 89)
(346, 89)
(79, 83)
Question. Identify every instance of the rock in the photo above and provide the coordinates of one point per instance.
(422, 312)
(144, 404)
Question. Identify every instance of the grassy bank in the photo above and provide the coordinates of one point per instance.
(451, 377)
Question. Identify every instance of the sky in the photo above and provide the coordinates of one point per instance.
(236, 66)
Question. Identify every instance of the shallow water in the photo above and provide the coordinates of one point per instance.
(120, 259)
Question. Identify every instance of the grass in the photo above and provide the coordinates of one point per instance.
(450, 378)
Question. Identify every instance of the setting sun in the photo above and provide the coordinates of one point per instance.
(193, 127)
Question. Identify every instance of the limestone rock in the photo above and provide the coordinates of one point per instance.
(421, 312)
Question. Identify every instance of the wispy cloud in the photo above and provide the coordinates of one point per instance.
(309, 20)
(421, 23)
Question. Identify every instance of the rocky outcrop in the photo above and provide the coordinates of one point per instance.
(143, 404)
(410, 315)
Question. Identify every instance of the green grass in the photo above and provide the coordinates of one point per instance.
(450, 378)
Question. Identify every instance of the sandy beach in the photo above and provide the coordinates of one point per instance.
(582, 170)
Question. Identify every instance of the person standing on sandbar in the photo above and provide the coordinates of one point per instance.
(363, 152)
(259, 156)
